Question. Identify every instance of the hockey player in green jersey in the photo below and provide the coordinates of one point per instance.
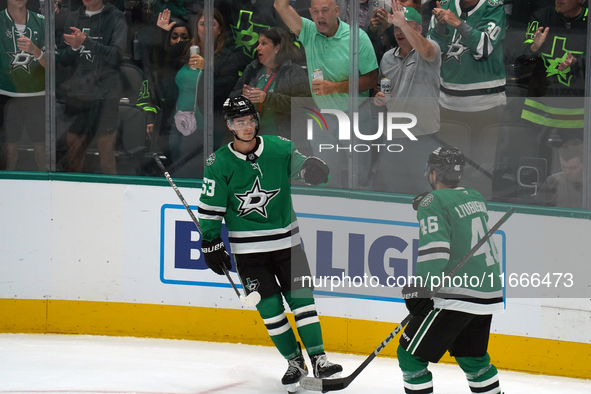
(246, 183)
(458, 317)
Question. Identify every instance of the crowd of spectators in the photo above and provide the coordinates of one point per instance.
(467, 68)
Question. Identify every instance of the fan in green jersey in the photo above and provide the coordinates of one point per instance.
(22, 83)
(246, 184)
(458, 317)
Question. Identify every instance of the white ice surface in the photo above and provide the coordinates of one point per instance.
(32, 363)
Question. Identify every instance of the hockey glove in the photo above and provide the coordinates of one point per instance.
(215, 255)
(314, 171)
(417, 200)
(417, 299)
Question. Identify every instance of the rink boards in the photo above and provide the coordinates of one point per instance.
(120, 259)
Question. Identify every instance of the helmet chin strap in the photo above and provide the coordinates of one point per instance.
(256, 133)
(429, 179)
(240, 139)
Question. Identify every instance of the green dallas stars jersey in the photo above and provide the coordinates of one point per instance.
(472, 70)
(554, 97)
(253, 198)
(21, 74)
(451, 222)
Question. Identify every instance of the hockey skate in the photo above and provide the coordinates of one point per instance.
(323, 368)
(296, 370)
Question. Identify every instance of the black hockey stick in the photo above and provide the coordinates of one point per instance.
(468, 160)
(252, 298)
(325, 385)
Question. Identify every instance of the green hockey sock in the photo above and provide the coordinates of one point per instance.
(273, 313)
(301, 303)
(417, 378)
(481, 374)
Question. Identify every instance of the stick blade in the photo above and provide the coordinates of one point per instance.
(255, 298)
(251, 300)
(311, 384)
(323, 385)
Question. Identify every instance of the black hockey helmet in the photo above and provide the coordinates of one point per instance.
(448, 164)
(237, 107)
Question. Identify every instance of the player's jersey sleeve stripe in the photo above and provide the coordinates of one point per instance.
(212, 208)
(435, 244)
(210, 212)
(434, 250)
(202, 214)
(485, 47)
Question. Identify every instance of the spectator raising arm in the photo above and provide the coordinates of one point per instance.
(289, 15)
(413, 34)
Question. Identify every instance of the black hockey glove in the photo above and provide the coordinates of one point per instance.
(417, 299)
(314, 171)
(215, 255)
(417, 200)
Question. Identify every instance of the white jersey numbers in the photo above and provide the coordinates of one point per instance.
(431, 226)
(208, 187)
(493, 31)
(479, 228)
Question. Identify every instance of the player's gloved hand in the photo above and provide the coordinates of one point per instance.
(215, 255)
(417, 299)
(417, 200)
(314, 171)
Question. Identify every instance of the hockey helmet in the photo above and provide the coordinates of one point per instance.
(237, 107)
(448, 164)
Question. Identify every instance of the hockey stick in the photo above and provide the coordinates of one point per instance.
(252, 298)
(468, 160)
(325, 385)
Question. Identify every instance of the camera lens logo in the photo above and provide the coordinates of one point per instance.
(318, 118)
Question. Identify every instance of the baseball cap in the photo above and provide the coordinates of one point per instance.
(411, 14)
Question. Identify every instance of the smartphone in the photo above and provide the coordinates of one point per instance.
(194, 50)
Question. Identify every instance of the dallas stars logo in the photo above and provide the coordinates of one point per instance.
(455, 49)
(557, 56)
(87, 53)
(20, 60)
(245, 35)
(255, 200)
(252, 285)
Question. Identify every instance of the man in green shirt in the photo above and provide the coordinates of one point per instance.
(326, 41)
